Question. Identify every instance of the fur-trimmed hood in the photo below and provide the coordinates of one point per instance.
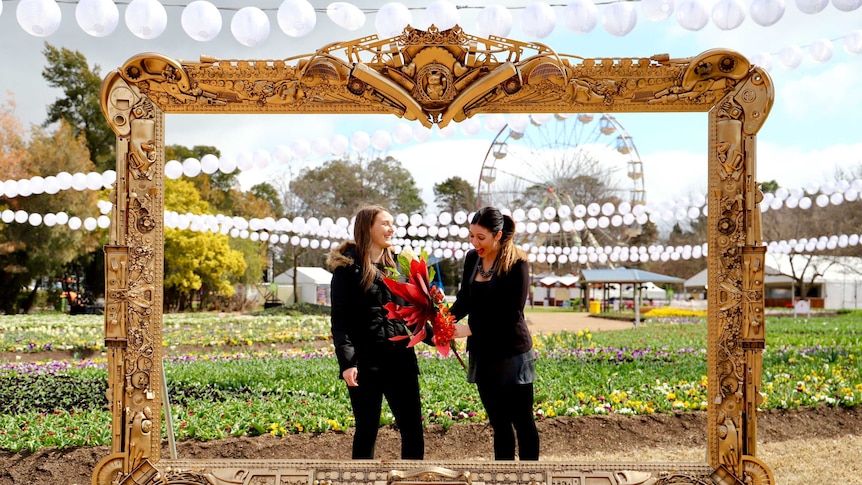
(342, 256)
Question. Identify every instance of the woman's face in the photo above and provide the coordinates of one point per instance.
(382, 230)
(484, 241)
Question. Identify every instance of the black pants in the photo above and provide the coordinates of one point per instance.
(510, 411)
(402, 394)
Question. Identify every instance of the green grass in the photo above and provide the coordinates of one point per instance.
(657, 368)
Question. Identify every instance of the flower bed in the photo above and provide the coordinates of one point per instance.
(657, 368)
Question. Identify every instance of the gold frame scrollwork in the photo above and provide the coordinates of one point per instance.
(391, 76)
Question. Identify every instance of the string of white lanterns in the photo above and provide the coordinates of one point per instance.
(530, 221)
(820, 51)
(439, 249)
(202, 21)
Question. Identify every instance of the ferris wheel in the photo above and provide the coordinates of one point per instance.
(556, 160)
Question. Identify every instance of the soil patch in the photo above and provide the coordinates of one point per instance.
(661, 437)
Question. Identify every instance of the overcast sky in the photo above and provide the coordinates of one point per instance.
(812, 130)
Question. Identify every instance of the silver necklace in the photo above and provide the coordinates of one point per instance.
(483, 273)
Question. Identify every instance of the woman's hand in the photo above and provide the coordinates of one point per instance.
(462, 331)
(350, 375)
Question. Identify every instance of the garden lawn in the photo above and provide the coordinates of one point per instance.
(657, 368)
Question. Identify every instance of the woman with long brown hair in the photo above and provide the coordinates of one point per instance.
(373, 365)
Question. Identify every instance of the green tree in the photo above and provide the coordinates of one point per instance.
(196, 261)
(338, 187)
(79, 106)
(454, 194)
(31, 254)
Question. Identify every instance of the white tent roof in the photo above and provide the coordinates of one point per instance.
(773, 277)
(566, 280)
(830, 268)
(305, 274)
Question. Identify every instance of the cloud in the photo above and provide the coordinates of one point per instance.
(827, 93)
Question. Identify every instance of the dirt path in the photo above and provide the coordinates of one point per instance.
(554, 322)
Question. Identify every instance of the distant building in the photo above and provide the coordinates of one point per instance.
(313, 285)
(838, 283)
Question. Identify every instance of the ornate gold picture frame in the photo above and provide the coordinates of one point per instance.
(435, 77)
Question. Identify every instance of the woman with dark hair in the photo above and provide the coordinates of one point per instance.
(494, 287)
(372, 365)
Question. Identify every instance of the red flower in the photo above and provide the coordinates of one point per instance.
(424, 305)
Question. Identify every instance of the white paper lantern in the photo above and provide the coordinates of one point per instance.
(494, 20)
(24, 188)
(201, 20)
(94, 181)
(494, 122)
(518, 122)
(91, 224)
(146, 19)
(74, 223)
(301, 148)
(538, 20)
(79, 181)
(98, 18)
(620, 18)
(250, 26)
(402, 133)
(39, 18)
(64, 180)
(580, 16)
(338, 144)
(345, 15)
(790, 57)
(811, 6)
(728, 14)
(381, 140)
(391, 20)
(360, 141)
(470, 126)
(420, 133)
(191, 167)
(320, 147)
(448, 131)
(281, 154)
(227, 164)
(762, 59)
(656, 10)
(261, 158)
(108, 178)
(442, 14)
(37, 185)
(766, 12)
(209, 164)
(853, 42)
(35, 219)
(692, 15)
(50, 185)
(296, 18)
(821, 50)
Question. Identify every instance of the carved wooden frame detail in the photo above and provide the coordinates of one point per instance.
(435, 77)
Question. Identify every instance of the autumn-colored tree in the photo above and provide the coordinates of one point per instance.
(30, 253)
(221, 194)
(13, 148)
(196, 261)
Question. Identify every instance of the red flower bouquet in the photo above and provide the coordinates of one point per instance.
(424, 304)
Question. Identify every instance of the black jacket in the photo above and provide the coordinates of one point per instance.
(360, 329)
(498, 326)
